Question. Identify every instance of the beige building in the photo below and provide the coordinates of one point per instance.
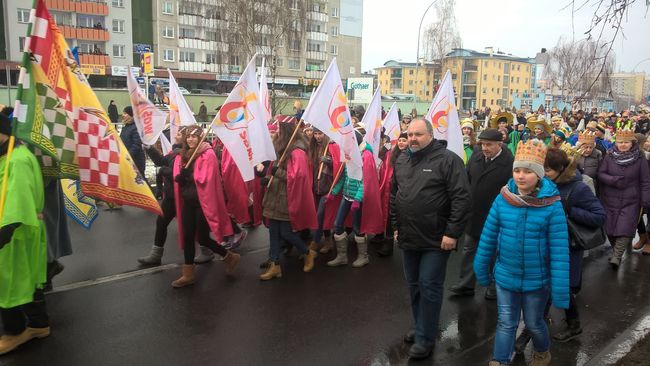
(408, 79)
(628, 84)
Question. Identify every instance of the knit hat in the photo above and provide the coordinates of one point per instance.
(5, 125)
(531, 155)
(467, 122)
(128, 110)
(587, 137)
(624, 135)
(602, 126)
(563, 132)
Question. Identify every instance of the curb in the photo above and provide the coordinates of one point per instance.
(622, 345)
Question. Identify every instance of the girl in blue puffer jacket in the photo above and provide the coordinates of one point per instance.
(526, 231)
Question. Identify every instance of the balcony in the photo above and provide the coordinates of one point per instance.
(93, 59)
(316, 55)
(317, 36)
(469, 96)
(319, 17)
(470, 68)
(86, 34)
(315, 74)
(82, 7)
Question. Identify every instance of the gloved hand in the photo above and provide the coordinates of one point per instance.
(183, 176)
(326, 160)
(355, 206)
(264, 181)
(329, 197)
(274, 169)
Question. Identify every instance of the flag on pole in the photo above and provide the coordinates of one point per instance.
(392, 128)
(180, 113)
(149, 120)
(241, 124)
(372, 122)
(328, 111)
(264, 94)
(443, 115)
(78, 206)
(59, 117)
(165, 145)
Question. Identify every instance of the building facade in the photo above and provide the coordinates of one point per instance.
(406, 79)
(488, 79)
(628, 84)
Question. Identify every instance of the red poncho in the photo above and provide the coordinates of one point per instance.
(235, 187)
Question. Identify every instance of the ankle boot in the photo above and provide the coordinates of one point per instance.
(187, 278)
(362, 246)
(341, 251)
(9, 343)
(274, 271)
(572, 330)
(231, 260)
(154, 257)
(541, 358)
(643, 240)
(205, 255)
(522, 342)
(328, 245)
(309, 261)
(617, 254)
(313, 246)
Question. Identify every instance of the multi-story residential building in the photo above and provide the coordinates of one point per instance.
(628, 84)
(488, 79)
(100, 29)
(408, 79)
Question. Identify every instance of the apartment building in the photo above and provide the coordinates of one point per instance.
(629, 84)
(488, 79)
(404, 79)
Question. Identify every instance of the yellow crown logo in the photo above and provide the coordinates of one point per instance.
(587, 137)
(533, 150)
(625, 134)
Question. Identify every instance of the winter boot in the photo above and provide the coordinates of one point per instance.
(9, 343)
(231, 260)
(341, 251)
(154, 257)
(494, 363)
(386, 249)
(206, 255)
(522, 342)
(572, 330)
(309, 261)
(313, 246)
(643, 240)
(274, 271)
(362, 246)
(541, 358)
(617, 254)
(328, 245)
(187, 278)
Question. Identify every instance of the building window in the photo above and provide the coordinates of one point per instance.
(484, 90)
(213, 36)
(518, 67)
(335, 12)
(212, 58)
(334, 31)
(492, 90)
(118, 26)
(279, 62)
(526, 81)
(334, 49)
(485, 64)
(168, 55)
(186, 33)
(168, 8)
(294, 4)
(512, 79)
(21, 44)
(484, 77)
(118, 50)
(483, 103)
(491, 101)
(118, 3)
(186, 56)
(499, 78)
(234, 60)
(410, 82)
(313, 47)
(23, 16)
(517, 78)
(168, 31)
(293, 64)
(410, 72)
(295, 45)
(427, 93)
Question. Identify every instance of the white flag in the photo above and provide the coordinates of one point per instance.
(328, 111)
(391, 124)
(264, 94)
(149, 120)
(372, 122)
(443, 115)
(180, 113)
(241, 126)
(165, 144)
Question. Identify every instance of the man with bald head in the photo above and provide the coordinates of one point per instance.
(429, 205)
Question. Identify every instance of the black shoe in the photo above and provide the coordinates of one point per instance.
(572, 331)
(54, 268)
(457, 290)
(490, 294)
(409, 337)
(386, 249)
(265, 264)
(522, 342)
(418, 351)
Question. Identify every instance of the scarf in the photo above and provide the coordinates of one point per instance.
(625, 158)
(518, 200)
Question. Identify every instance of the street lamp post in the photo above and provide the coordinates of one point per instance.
(417, 58)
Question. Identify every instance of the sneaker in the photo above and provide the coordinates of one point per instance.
(238, 239)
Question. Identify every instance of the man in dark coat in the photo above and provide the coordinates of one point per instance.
(131, 139)
(112, 112)
(488, 171)
(429, 207)
(202, 116)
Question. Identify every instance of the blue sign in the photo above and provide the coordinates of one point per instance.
(141, 48)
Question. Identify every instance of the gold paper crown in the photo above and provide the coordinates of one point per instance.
(587, 137)
(533, 150)
(625, 134)
(570, 151)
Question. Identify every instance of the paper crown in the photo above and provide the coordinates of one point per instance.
(563, 132)
(467, 122)
(557, 118)
(587, 137)
(570, 151)
(533, 150)
(624, 135)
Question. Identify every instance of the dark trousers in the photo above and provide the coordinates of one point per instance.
(196, 226)
(425, 274)
(33, 315)
(320, 216)
(162, 222)
(467, 276)
(281, 230)
(339, 222)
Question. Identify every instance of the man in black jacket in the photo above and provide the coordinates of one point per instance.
(488, 171)
(429, 204)
(131, 139)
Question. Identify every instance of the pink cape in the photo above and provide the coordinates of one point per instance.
(208, 187)
(385, 176)
(300, 199)
(332, 206)
(255, 188)
(371, 212)
(235, 189)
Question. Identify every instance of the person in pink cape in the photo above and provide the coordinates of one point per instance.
(236, 195)
(200, 204)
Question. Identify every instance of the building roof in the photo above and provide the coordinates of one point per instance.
(467, 53)
(393, 63)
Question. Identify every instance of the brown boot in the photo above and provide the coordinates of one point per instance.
(313, 246)
(643, 240)
(328, 245)
(187, 278)
(273, 271)
(231, 260)
(9, 343)
(541, 358)
(309, 261)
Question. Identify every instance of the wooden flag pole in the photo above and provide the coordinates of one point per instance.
(205, 134)
(336, 178)
(284, 153)
(320, 168)
(5, 176)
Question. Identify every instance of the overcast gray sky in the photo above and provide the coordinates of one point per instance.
(519, 27)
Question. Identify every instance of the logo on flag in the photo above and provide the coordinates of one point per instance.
(338, 111)
(235, 111)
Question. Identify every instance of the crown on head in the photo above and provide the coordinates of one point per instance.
(625, 134)
(587, 137)
(533, 150)
(570, 151)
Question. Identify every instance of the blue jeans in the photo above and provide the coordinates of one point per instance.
(425, 274)
(279, 230)
(510, 305)
(320, 216)
(342, 213)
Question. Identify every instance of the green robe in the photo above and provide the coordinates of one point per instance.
(23, 259)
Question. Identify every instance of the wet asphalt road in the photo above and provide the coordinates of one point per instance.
(332, 316)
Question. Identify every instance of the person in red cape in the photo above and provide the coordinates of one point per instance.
(200, 204)
(236, 194)
(325, 159)
(289, 178)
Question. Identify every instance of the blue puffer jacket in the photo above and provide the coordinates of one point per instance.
(531, 245)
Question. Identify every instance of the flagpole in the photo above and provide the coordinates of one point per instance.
(7, 54)
(205, 134)
(284, 153)
(5, 176)
(336, 178)
(320, 168)
(417, 57)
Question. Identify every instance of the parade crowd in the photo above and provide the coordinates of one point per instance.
(533, 194)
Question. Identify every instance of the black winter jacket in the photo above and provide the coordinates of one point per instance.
(166, 165)
(131, 139)
(429, 197)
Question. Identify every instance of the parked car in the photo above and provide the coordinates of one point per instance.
(183, 90)
(204, 91)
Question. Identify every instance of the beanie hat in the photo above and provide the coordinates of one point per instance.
(531, 155)
(563, 132)
(5, 125)
(467, 122)
(128, 110)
